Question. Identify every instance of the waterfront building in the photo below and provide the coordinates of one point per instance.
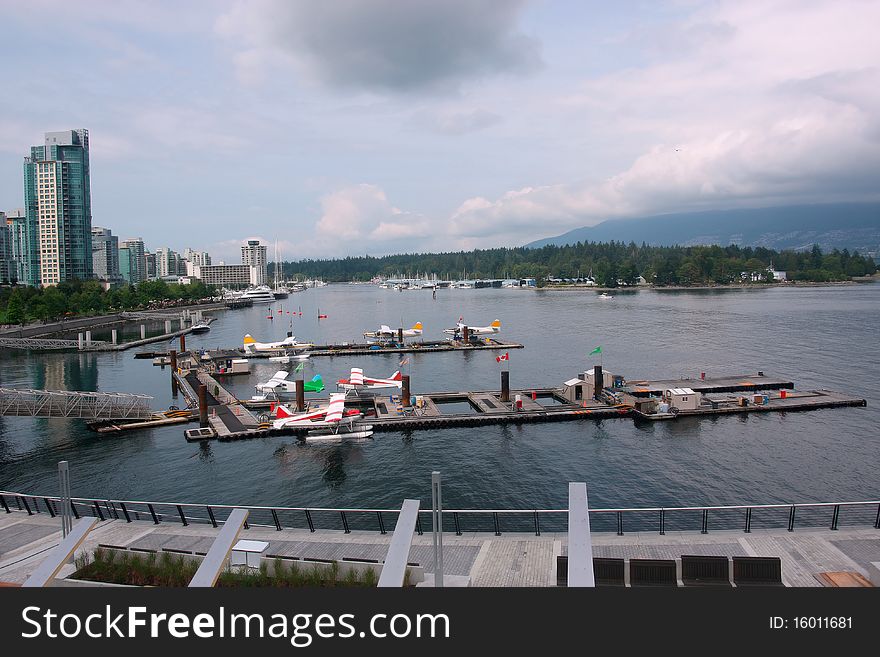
(58, 230)
(132, 260)
(254, 255)
(105, 255)
(231, 276)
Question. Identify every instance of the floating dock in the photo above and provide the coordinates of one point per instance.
(521, 406)
(355, 349)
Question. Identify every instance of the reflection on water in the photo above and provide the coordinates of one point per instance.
(819, 337)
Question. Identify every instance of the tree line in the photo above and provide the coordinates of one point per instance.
(610, 264)
(22, 304)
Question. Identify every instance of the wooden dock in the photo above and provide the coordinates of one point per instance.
(355, 349)
(481, 408)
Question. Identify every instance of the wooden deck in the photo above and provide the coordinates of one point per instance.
(484, 558)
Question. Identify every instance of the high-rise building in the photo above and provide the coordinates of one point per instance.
(8, 266)
(193, 260)
(150, 267)
(58, 206)
(105, 254)
(254, 255)
(167, 262)
(16, 220)
(132, 263)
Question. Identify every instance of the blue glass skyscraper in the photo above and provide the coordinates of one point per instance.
(59, 209)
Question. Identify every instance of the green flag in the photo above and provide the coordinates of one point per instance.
(299, 368)
(597, 350)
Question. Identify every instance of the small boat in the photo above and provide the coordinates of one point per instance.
(201, 327)
(605, 295)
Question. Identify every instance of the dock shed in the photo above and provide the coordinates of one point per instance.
(684, 399)
(609, 380)
(574, 390)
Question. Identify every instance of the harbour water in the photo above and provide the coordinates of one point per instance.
(819, 337)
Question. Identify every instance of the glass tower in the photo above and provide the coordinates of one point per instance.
(57, 196)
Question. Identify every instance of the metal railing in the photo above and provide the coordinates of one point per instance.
(831, 515)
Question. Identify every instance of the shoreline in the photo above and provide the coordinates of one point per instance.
(729, 286)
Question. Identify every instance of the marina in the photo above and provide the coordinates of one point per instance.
(458, 420)
(395, 408)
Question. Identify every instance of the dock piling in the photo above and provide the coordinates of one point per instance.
(113, 336)
(143, 332)
(182, 343)
(404, 392)
(182, 323)
(300, 395)
(167, 326)
(465, 334)
(79, 339)
(400, 336)
(173, 356)
(203, 406)
(88, 338)
(505, 385)
(598, 382)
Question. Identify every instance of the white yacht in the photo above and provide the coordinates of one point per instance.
(259, 294)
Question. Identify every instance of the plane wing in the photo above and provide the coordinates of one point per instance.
(336, 407)
(357, 376)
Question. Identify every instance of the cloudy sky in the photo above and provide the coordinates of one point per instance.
(380, 126)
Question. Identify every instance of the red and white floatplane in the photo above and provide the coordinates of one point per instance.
(362, 386)
(333, 422)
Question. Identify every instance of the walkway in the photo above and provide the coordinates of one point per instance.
(489, 560)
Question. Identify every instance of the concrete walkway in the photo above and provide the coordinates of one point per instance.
(507, 560)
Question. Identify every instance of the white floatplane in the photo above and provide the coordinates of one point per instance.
(251, 345)
(362, 385)
(385, 332)
(494, 327)
(280, 387)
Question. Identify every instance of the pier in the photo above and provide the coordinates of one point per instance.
(46, 338)
(354, 349)
(534, 405)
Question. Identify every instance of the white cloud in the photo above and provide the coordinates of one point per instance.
(768, 104)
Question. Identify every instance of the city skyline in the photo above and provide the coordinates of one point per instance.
(490, 124)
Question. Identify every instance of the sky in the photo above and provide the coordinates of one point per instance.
(378, 126)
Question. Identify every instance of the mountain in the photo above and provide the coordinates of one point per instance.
(831, 226)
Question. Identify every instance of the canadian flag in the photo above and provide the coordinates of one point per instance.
(504, 356)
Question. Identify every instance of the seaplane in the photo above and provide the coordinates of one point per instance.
(280, 387)
(385, 332)
(330, 423)
(362, 385)
(494, 327)
(251, 346)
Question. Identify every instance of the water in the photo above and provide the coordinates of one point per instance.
(817, 337)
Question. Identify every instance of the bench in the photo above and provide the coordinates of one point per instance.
(607, 572)
(757, 571)
(653, 572)
(697, 570)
